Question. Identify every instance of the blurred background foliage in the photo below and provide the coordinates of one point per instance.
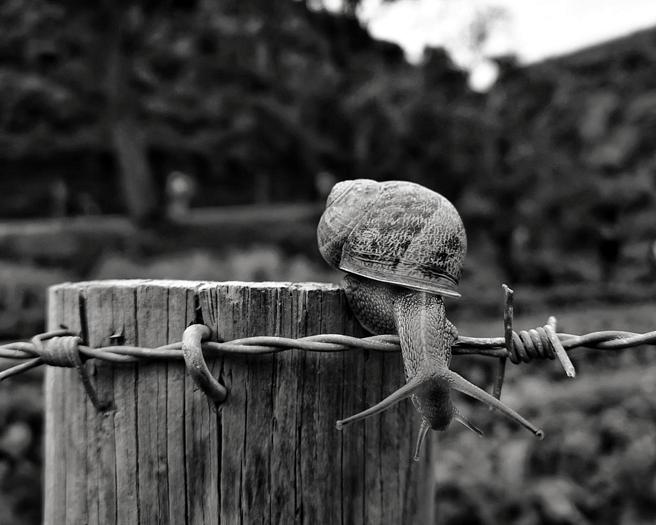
(199, 139)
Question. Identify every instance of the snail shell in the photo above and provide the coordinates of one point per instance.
(396, 232)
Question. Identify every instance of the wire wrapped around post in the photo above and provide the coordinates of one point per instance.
(192, 351)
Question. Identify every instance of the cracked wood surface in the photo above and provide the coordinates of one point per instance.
(270, 454)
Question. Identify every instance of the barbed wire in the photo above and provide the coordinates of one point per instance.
(64, 348)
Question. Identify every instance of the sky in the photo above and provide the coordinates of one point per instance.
(532, 29)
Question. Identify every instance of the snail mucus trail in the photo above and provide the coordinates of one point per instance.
(402, 247)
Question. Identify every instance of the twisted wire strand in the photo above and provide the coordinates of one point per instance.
(527, 346)
(65, 349)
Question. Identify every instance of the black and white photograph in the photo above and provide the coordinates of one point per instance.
(328, 262)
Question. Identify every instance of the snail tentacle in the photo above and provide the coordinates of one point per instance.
(460, 418)
(457, 382)
(423, 432)
(398, 395)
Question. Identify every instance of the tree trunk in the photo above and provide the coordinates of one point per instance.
(127, 139)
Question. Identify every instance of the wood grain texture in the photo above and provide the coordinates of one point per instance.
(163, 453)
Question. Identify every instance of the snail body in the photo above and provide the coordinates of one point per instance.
(403, 246)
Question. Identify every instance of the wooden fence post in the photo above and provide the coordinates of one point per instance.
(269, 454)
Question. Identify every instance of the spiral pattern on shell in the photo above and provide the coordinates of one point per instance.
(395, 231)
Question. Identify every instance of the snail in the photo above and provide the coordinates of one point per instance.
(402, 247)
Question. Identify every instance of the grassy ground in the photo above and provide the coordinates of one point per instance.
(597, 463)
